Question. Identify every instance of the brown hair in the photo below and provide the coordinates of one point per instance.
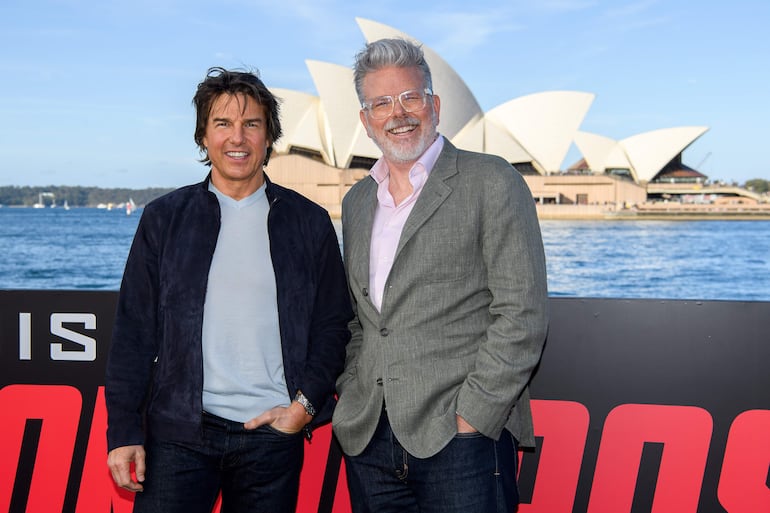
(220, 81)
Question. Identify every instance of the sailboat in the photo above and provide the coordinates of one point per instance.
(130, 206)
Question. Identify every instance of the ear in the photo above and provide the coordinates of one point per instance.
(436, 107)
(364, 121)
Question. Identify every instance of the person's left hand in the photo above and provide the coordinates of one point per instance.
(287, 420)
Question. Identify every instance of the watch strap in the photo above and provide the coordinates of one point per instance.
(301, 399)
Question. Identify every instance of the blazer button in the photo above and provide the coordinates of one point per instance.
(379, 381)
(365, 292)
(384, 332)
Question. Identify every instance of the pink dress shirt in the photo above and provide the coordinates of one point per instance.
(389, 219)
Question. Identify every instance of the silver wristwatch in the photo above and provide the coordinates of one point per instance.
(301, 399)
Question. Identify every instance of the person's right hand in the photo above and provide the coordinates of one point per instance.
(119, 460)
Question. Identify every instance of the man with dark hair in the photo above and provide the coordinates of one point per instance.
(447, 272)
(231, 324)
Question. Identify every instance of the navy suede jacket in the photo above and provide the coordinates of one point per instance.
(154, 379)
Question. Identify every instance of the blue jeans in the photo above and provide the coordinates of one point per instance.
(472, 474)
(256, 471)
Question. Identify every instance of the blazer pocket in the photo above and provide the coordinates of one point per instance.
(347, 379)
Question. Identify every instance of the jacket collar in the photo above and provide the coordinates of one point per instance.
(273, 192)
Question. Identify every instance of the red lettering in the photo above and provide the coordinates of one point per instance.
(98, 492)
(686, 434)
(684, 431)
(564, 428)
(59, 408)
(743, 483)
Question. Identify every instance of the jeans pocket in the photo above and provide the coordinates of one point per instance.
(278, 432)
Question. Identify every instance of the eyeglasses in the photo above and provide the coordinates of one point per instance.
(411, 101)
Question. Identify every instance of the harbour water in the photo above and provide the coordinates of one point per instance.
(86, 249)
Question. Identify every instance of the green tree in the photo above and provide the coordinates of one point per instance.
(758, 185)
(76, 196)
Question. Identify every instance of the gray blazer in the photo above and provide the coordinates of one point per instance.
(464, 312)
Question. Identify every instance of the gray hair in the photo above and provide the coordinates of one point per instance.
(389, 52)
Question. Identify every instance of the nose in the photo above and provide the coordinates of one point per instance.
(236, 135)
(398, 109)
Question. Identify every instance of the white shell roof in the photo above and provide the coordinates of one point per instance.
(644, 154)
(537, 128)
(340, 105)
(650, 151)
(601, 153)
(543, 123)
(300, 121)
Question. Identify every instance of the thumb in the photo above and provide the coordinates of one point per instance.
(265, 418)
(139, 465)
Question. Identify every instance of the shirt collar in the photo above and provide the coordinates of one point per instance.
(426, 161)
(225, 200)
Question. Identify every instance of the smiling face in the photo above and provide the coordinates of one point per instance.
(403, 136)
(236, 142)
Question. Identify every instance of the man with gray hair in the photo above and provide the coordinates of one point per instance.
(446, 268)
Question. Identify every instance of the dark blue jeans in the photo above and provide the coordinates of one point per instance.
(472, 474)
(256, 471)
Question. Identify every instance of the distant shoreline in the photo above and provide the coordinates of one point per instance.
(655, 212)
(647, 212)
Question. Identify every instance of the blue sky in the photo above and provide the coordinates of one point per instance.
(99, 93)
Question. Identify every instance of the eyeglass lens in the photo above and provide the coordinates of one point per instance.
(411, 101)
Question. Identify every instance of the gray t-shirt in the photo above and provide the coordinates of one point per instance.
(243, 372)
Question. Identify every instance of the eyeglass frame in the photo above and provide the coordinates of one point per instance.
(426, 91)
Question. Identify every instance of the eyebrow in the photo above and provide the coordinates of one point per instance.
(250, 120)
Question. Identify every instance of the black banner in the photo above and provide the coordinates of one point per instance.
(639, 405)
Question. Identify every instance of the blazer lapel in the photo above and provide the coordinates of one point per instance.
(433, 194)
(356, 240)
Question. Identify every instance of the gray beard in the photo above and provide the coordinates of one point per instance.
(402, 154)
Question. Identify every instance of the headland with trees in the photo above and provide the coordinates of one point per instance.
(75, 196)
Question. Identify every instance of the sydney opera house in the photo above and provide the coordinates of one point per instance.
(325, 149)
